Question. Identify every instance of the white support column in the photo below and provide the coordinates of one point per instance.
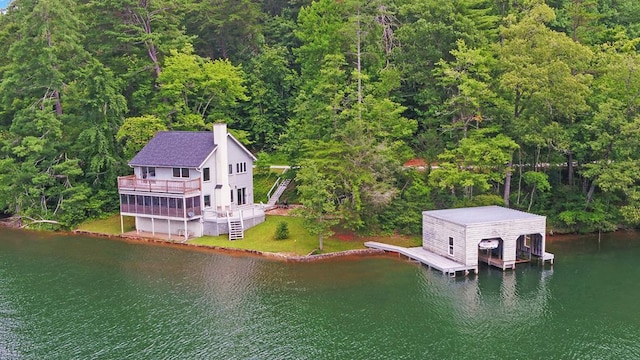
(184, 216)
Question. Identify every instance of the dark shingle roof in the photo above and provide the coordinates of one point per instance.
(176, 149)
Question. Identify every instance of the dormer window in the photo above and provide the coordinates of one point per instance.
(181, 172)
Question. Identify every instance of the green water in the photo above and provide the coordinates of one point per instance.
(84, 298)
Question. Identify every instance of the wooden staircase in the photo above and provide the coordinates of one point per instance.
(236, 228)
(281, 187)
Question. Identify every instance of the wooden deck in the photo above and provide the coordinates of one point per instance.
(499, 263)
(432, 260)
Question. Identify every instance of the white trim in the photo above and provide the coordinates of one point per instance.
(208, 157)
(241, 146)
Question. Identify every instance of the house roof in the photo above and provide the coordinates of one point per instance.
(176, 149)
(480, 215)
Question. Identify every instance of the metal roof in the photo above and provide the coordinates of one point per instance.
(480, 215)
(176, 149)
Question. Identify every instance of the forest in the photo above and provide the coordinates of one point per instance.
(530, 104)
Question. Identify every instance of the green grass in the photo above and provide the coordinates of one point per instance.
(262, 183)
(261, 237)
(110, 225)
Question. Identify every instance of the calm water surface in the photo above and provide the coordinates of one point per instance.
(67, 297)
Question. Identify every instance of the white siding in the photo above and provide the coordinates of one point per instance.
(435, 238)
(237, 155)
(436, 233)
(165, 173)
(208, 187)
(508, 231)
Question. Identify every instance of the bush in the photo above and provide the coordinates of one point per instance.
(282, 231)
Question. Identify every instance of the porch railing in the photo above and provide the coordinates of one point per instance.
(243, 212)
(132, 183)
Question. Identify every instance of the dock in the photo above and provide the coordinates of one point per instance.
(428, 258)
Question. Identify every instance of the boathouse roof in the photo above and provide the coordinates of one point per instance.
(176, 149)
(480, 215)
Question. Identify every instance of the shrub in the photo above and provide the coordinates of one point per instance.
(282, 231)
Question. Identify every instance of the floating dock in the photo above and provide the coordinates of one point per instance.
(432, 260)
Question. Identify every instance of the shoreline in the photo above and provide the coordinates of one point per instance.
(358, 253)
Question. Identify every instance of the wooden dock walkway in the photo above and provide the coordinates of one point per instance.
(432, 260)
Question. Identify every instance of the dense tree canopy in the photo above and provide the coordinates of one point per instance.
(533, 104)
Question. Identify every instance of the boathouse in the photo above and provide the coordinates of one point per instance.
(495, 235)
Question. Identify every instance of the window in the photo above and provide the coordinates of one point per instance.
(148, 172)
(181, 172)
(241, 167)
(450, 245)
(206, 174)
(230, 169)
(231, 195)
(207, 201)
(242, 196)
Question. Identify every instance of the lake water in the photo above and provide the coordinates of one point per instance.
(68, 297)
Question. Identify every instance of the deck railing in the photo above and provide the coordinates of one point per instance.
(158, 186)
(243, 211)
(161, 210)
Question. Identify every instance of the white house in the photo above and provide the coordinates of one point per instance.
(496, 235)
(190, 184)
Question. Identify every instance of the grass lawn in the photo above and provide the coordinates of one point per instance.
(261, 237)
(110, 225)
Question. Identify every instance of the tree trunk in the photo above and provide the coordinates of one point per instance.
(320, 241)
(507, 184)
(533, 192)
(519, 176)
(592, 189)
(570, 168)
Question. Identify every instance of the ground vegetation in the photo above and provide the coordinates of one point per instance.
(530, 104)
